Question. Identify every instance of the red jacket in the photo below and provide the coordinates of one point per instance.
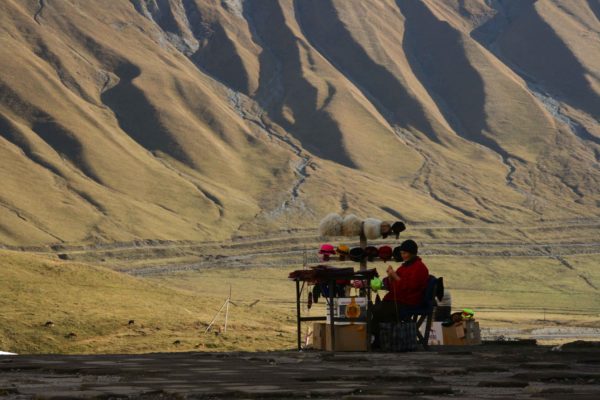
(413, 281)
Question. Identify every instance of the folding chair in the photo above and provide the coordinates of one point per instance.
(419, 313)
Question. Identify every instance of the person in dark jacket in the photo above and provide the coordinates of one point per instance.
(405, 286)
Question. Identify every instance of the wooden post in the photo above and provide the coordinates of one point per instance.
(363, 245)
(227, 310)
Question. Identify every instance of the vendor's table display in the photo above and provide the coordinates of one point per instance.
(331, 281)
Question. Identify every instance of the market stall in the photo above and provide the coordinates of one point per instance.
(358, 308)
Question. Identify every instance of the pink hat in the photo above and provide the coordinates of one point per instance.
(327, 249)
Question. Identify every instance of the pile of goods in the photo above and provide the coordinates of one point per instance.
(352, 226)
(458, 329)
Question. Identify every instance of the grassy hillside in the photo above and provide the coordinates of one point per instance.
(96, 304)
(199, 120)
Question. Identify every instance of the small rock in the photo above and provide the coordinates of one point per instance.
(63, 256)
(131, 322)
(71, 335)
(49, 324)
(177, 342)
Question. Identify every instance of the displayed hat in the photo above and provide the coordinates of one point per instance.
(371, 252)
(331, 225)
(351, 226)
(386, 229)
(343, 251)
(327, 249)
(397, 228)
(409, 246)
(357, 254)
(396, 254)
(385, 253)
(376, 284)
(372, 228)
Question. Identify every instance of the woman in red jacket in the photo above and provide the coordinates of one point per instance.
(406, 286)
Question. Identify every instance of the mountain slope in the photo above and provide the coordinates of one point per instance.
(196, 120)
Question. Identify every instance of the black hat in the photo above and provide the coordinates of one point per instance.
(357, 254)
(410, 246)
(371, 252)
(398, 227)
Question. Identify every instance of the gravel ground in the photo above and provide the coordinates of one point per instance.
(517, 370)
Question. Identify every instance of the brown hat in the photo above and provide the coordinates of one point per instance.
(386, 229)
(371, 252)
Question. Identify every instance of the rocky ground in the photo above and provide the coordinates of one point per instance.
(519, 370)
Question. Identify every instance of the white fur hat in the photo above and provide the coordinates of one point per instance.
(372, 228)
(331, 225)
(351, 226)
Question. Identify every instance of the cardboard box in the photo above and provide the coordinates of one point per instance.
(472, 333)
(318, 336)
(436, 333)
(465, 333)
(351, 337)
(339, 310)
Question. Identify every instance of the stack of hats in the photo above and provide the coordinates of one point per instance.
(370, 253)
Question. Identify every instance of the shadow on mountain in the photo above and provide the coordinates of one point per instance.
(316, 129)
(160, 12)
(436, 54)
(595, 7)
(323, 28)
(219, 58)
(12, 133)
(64, 143)
(59, 138)
(138, 117)
(535, 52)
(216, 55)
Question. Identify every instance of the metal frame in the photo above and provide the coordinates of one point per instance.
(419, 318)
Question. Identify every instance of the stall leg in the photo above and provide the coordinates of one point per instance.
(298, 315)
(368, 325)
(332, 326)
